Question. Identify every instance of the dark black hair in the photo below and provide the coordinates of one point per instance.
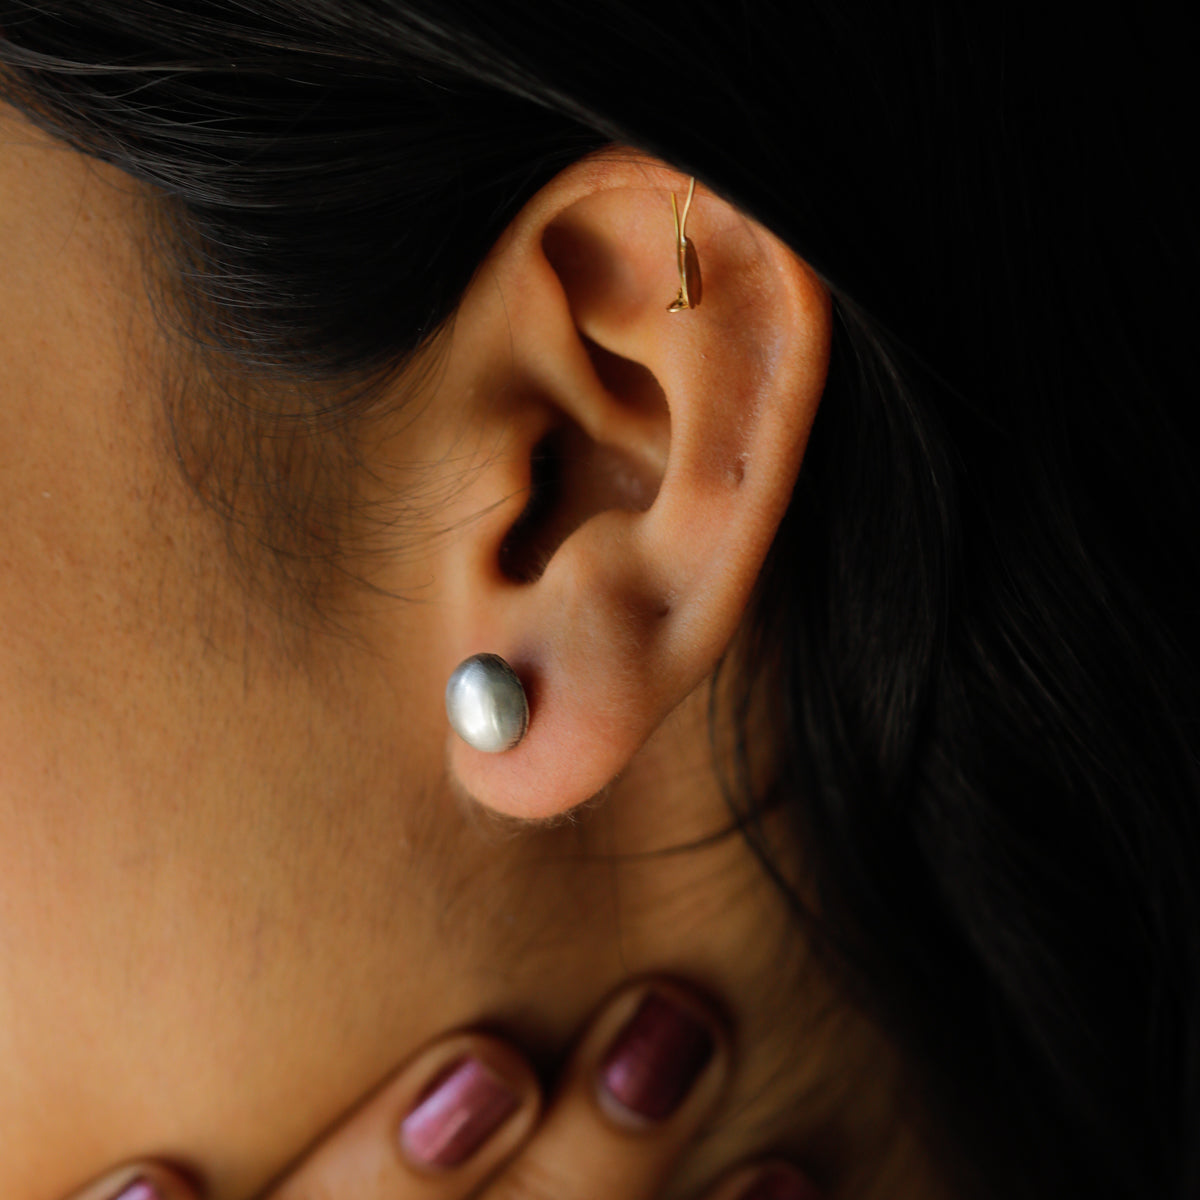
(980, 606)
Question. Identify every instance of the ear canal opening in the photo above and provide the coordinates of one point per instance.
(530, 543)
(571, 479)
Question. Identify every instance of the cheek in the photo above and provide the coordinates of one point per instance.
(218, 862)
(208, 862)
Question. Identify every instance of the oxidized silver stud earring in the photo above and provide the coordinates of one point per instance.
(486, 704)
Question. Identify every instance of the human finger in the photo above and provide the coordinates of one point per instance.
(140, 1181)
(638, 1088)
(435, 1131)
(460, 1119)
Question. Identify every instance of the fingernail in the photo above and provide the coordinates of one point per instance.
(456, 1115)
(781, 1183)
(656, 1058)
(139, 1189)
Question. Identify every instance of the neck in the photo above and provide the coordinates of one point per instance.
(652, 880)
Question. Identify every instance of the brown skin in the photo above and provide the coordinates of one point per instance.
(245, 870)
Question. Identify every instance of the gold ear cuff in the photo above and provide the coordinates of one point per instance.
(685, 255)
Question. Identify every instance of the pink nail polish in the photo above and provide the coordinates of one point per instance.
(656, 1059)
(456, 1115)
(139, 1189)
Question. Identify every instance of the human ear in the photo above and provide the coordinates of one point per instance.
(629, 465)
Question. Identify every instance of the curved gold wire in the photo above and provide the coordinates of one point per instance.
(683, 300)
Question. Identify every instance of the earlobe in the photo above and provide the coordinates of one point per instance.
(650, 451)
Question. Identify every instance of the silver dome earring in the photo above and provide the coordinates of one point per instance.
(486, 704)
